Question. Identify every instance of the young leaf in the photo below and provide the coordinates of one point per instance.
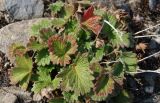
(22, 72)
(130, 61)
(77, 77)
(42, 57)
(88, 13)
(103, 87)
(61, 48)
(58, 22)
(69, 10)
(56, 7)
(93, 24)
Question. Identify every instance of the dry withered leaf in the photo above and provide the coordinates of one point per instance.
(141, 46)
(99, 43)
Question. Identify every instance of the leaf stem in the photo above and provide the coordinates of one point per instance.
(110, 62)
(144, 36)
(149, 56)
(145, 71)
(146, 29)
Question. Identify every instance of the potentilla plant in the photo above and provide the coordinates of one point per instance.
(80, 53)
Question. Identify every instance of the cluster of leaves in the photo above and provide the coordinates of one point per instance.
(73, 54)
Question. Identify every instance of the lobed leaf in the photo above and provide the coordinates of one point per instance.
(22, 72)
(61, 48)
(42, 58)
(130, 60)
(103, 87)
(56, 7)
(35, 29)
(44, 79)
(77, 77)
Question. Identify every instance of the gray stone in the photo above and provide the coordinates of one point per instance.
(8, 98)
(14, 95)
(24, 9)
(2, 8)
(16, 33)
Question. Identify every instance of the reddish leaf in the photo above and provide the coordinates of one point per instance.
(93, 24)
(88, 13)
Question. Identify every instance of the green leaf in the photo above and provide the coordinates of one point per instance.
(118, 70)
(46, 33)
(130, 60)
(16, 49)
(44, 79)
(112, 19)
(122, 40)
(42, 57)
(77, 77)
(56, 83)
(61, 48)
(58, 22)
(22, 72)
(70, 97)
(56, 7)
(35, 29)
(99, 55)
(72, 27)
(57, 100)
(103, 87)
(35, 46)
(69, 10)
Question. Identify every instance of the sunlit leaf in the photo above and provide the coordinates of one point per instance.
(40, 25)
(77, 77)
(16, 49)
(22, 72)
(61, 48)
(58, 22)
(69, 10)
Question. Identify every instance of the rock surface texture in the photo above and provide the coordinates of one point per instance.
(23, 9)
(14, 95)
(2, 8)
(16, 33)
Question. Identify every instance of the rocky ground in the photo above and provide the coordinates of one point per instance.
(17, 16)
